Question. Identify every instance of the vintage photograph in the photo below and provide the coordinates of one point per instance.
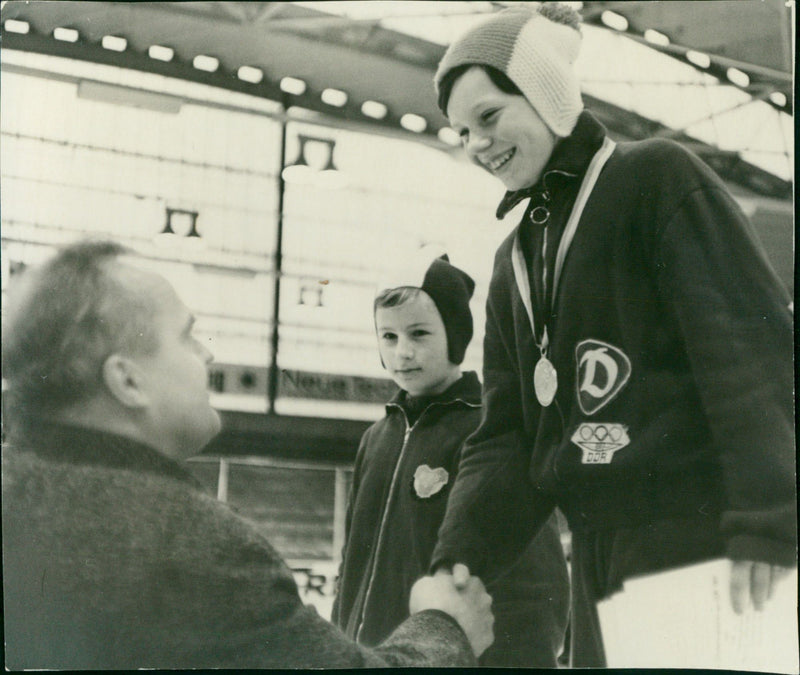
(409, 333)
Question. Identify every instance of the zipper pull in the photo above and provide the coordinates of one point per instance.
(539, 215)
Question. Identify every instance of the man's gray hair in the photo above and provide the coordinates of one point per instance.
(62, 321)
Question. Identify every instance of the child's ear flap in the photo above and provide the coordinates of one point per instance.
(124, 380)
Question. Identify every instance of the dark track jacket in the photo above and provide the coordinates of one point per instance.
(114, 558)
(672, 339)
(392, 523)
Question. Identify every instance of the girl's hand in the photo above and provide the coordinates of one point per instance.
(753, 582)
(461, 575)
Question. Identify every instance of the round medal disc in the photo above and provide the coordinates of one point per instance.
(545, 381)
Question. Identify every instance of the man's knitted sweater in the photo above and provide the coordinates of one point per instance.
(114, 558)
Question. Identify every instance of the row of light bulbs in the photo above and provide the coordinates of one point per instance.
(375, 109)
(210, 64)
(698, 59)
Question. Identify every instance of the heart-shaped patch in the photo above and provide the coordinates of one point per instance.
(427, 481)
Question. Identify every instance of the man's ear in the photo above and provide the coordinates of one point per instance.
(124, 379)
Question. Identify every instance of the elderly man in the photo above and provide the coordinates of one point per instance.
(114, 557)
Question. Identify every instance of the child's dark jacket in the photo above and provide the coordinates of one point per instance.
(392, 531)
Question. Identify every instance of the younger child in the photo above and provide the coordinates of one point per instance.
(406, 464)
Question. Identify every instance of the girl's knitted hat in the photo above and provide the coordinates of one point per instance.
(535, 52)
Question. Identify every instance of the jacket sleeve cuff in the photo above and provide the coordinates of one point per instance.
(760, 549)
(429, 638)
(469, 552)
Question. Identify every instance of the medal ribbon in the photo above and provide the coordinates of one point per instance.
(518, 258)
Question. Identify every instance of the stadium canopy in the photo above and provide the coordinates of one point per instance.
(697, 72)
(713, 75)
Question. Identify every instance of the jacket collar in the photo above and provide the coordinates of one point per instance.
(84, 446)
(466, 389)
(570, 157)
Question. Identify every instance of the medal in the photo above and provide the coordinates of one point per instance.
(545, 377)
(545, 381)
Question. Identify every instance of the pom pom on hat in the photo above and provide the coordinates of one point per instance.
(536, 53)
(450, 289)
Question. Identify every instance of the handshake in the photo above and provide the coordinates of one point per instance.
(463, 597)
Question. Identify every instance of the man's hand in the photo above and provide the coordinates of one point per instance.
(469, 604)
(753, 582)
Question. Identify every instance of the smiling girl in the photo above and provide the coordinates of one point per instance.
(638, 347)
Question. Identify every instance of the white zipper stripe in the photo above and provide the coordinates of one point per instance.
(392, 490)
(382, 528)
